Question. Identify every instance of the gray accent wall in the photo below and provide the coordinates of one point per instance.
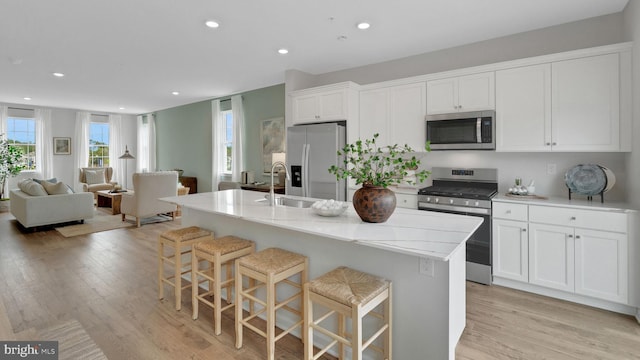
(183, 134)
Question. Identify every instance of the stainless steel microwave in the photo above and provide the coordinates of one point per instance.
(474, 130)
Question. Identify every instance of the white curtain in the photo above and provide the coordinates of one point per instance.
(83, 119)
(218, 157)
(237, 160)
(44, 141)
(146, 143)
(116, 148)
(4, 114)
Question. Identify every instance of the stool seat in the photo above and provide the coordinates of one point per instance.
(348, 286)
(272, 261)
(223, 245)
(185, 234)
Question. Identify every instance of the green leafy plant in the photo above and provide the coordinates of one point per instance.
(10, 163)
(369, 164)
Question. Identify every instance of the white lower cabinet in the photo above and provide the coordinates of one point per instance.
(510, 250)
(551, 256)
(577, 251)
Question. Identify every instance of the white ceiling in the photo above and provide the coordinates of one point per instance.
(134, 53)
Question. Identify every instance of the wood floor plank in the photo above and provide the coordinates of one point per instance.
(107, 282)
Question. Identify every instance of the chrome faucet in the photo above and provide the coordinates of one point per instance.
(272, 197)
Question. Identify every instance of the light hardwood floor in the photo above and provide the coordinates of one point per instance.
(107, 281)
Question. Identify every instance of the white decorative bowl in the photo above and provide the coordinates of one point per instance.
(331, 212)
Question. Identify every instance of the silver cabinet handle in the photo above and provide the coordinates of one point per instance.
(548, 144)
(577, 236)
(508, 211)
(573, 218)
(554, 144)
(524, 230)
(570, 236)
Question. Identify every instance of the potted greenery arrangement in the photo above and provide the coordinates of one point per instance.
(376, 168)
(10, 165)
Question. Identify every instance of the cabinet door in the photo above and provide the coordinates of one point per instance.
(476, 92)
(601, 265)
(333, 105)
(407, 110)
(586, 104)
(442, 96)
(510, 250)
(374, 115)
(523, 109)
(305, 109)
(551, 256)
(408, 201)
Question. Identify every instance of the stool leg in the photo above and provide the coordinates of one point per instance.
(308, 319)
(356, 334)
(195, 267)
(160, 269)
(239, 319)
(388, 353)
(271, 318)
(217, 296)
(303, 280)
(177, 280)
(342, 326)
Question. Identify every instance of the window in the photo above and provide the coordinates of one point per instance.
(98, 144)
(21, 133)
(227, 119)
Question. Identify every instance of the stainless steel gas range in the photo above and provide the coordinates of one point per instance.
(467, 192)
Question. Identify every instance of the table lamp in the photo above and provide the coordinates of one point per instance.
(126, 156)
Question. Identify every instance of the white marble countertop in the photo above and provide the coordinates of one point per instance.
(579, 202)
(414, 232)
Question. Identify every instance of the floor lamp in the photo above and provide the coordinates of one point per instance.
(126, 156)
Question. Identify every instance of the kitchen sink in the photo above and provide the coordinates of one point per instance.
(285, 201)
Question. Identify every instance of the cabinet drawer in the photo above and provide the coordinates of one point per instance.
(588, 219)
(407, 201)
(510, 211)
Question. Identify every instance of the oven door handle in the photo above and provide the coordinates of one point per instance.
(471, 210)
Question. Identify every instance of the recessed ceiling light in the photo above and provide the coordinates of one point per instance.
(57, 74)
(212, 24)
(283, 51)
(27, 98)
(121, 108)
(363, 25)
(175, 93)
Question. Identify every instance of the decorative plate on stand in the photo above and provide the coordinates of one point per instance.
(588, 179)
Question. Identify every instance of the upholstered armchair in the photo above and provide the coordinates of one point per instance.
(94, 179)
(147, 189)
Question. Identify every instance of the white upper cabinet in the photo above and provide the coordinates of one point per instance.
(585, 98)
(396, 113)
(331, 105)
(460, 94)
(523, 108)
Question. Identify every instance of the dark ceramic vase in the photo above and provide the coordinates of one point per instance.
(374, 204)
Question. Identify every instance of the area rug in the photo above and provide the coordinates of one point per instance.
(73, 341)
(99, 222)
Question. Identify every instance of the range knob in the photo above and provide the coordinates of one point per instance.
(466, 202)
(451, 201)
(437, 200)
(428, 199)
(477, 203)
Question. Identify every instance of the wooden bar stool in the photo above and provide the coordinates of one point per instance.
(269, 268)
(348, 293)
(177, 239)
(218, 253)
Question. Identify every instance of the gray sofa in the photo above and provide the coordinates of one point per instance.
(33, 211)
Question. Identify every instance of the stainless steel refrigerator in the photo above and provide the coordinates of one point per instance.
(311, 150)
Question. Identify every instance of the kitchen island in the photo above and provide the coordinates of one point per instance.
(421, 252)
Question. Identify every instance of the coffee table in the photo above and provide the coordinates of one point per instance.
(109, 199)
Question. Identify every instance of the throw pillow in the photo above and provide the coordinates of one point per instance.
(94, 176)
(32, 188)
(55, 189)
(52, 180)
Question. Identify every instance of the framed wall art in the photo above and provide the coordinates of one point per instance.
(273, 140)
(62, 146)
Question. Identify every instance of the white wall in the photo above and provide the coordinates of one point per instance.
(632, 160)
(587, 33)
(63, 125)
